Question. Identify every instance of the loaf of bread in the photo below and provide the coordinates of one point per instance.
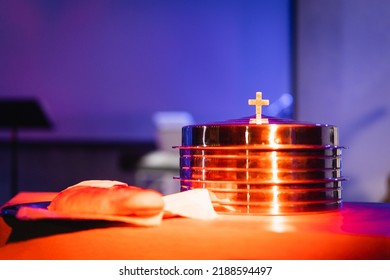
(103, 197)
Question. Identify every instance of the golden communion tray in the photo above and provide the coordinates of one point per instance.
(263, 165)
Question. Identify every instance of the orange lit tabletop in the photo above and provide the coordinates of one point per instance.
(357, 231)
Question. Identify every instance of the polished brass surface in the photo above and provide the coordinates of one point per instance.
(282, 167)
(266, 135)
(282, 162)
(188, 184)
(278, 175)
(247, 151)
(267, 208)
(284, 196)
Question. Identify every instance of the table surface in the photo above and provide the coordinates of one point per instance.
(356, 231)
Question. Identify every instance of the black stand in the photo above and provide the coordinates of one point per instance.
(18, 114)
(14, 162)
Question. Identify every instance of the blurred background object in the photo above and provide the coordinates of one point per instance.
(386, 198)
(15, 115)
(156, 169)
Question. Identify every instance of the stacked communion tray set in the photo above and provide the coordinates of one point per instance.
(263, 166)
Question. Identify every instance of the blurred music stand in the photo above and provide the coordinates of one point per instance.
(16, 114)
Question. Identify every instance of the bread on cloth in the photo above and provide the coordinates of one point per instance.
(105, 197)
(114, 201)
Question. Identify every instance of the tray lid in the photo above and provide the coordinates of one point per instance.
(260, 131)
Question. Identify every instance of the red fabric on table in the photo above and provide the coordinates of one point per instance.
(358, 231)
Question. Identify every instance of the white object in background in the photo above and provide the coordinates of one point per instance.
(168, 125)
(157, 169)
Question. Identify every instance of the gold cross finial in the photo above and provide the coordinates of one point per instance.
(258, 102)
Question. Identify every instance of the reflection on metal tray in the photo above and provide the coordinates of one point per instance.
(263, 165)
(261, 161)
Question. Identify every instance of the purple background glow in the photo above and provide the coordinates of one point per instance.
(102, 68)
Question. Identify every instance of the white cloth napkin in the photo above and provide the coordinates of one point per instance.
(195, 204)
